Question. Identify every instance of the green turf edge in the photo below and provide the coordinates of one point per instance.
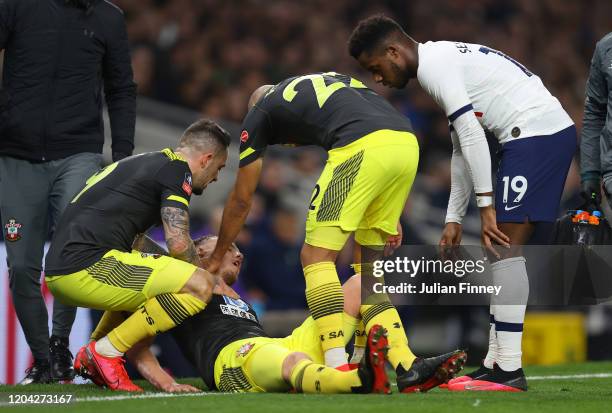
(577, 395)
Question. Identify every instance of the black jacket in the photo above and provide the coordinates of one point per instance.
(57, 57)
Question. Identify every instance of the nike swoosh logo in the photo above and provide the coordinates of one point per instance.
(511, 208)
(473, 387)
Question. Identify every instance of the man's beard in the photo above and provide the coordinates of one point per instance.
(401, 76)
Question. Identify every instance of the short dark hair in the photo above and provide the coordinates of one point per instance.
(204, 134)
(370, 33)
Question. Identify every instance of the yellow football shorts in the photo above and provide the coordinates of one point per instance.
(121, 281)
(363, 189)
(255, 364)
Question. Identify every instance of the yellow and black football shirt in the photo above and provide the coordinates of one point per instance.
(117, 203)
(202, 337)
(329, 110)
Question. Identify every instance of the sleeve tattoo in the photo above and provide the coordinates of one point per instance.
(176, 230)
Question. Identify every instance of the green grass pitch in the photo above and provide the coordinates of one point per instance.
(585, 387)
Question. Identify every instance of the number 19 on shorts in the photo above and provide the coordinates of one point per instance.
(518, 186)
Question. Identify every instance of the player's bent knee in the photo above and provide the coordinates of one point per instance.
(352, 295)
(290, 362)
(312, 255)
(306, 255)
(200, 285)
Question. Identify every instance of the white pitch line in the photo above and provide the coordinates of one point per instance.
(127, 397)
(145, 396)
(565, 377)
(572, 376)
(173, 395)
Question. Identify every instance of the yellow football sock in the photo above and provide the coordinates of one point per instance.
(360, 342)
(157, 315)
(360, 335)
(349, 325)
(385, 314)
(326, 303)
(109, 320)
(308, 377)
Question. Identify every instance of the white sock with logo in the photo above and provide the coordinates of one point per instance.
(105, 348)
(511, 275)
(489, 360)
(335, 357)
(358, 353)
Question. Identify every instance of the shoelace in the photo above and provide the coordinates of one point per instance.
(30, 370)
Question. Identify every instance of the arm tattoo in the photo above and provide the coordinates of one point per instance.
(176, 229)
(145, 244)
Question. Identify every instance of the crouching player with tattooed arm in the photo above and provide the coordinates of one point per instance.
(91, 262)
(232, 352)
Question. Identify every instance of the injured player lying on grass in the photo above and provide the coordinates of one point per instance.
(232, 353)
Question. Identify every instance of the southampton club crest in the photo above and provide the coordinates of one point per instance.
(12, 230)
(244, 349)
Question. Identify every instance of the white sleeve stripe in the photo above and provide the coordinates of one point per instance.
(460, 112)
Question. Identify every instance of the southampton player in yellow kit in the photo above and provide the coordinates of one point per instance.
(91, 263)
(373, 159)
(232, 352)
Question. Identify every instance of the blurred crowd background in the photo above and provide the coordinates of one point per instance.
(209, 55)
(205, 57)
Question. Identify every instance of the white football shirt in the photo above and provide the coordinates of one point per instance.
(508, 100)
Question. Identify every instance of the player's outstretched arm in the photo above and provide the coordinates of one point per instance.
(236, 210)
(176, 230)
(148, 366)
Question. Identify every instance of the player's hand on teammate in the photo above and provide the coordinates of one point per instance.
(205, 263)
(178, 388)
(490, 234)
(210, 265)
(394, 241)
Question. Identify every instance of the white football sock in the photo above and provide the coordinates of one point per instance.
(358, 353)
(335, 357)
(510, 305)
(105, 348)
(492, 353)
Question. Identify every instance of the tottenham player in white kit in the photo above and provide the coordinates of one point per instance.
(481, 88)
